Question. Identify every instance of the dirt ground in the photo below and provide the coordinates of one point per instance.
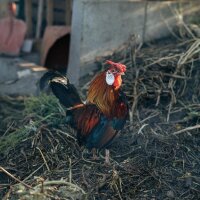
(156, 156)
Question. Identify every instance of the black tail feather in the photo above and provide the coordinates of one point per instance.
(61, 88)
(48, 76)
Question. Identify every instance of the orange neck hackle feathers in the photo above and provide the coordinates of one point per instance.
(104, 95)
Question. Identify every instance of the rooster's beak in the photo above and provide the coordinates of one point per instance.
(122, 73)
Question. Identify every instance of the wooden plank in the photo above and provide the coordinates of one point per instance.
(27, 65)
(68, 12)
(39, 18)
(49, 12)
(58, 17)
(38, 69)
(28, 17)
(58, 4)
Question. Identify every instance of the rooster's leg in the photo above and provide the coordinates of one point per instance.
(107, 157)
(94, 154)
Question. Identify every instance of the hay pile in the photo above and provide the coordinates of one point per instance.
(156, 156)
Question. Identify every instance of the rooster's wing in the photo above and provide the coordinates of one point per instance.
(94, 129)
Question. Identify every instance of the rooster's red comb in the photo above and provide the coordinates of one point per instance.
(120, 66)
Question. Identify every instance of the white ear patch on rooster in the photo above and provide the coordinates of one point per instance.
(109, 78)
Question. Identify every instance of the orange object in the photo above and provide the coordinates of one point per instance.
(11, 35)
(12, 8)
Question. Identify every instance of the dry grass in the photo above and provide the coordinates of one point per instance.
(155, 157)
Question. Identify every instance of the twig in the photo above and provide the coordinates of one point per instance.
(83, 176)
(187, 129)
(142, 181)
(145, 22)
(169, 111)
(66, 134)
(33, 172)
(176, 76)
(61, 182)
(70, 170)
(149, 117)
(88, 161)
(179, 16)
(127, 153)
(140, 130)
(10, 126)
(168, 25)
(45, 162)
(161, 59)
(13, 177)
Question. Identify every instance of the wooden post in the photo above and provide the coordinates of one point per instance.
(28, 17)
(73, 69)
(68, 12)
(39, 18)
(49, 12)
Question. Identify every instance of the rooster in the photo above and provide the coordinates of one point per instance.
(105, 112)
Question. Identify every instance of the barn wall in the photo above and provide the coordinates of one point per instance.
(99, 27)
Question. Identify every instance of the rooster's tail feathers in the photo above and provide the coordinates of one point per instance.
(61, 88)
(47, 77)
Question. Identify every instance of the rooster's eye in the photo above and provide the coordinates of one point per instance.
(118, 71)
(113, 71)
